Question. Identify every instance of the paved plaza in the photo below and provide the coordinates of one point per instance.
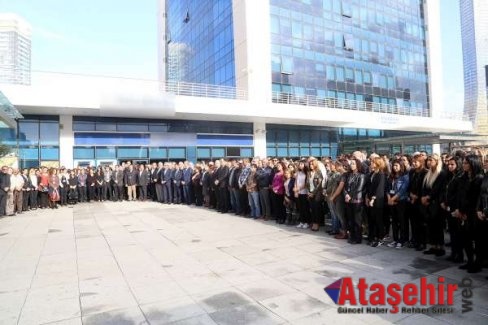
(147, 263)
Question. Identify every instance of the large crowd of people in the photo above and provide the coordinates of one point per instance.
(406, 201)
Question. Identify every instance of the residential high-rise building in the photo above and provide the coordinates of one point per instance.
(15, 49)
(474, 30)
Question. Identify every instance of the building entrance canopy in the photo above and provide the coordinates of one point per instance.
(8, 113)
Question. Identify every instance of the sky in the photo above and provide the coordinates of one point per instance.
(119, 38)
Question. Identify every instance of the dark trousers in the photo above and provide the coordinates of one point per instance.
(354, 213)
(279, 211)
(264, 199)
(177, 193)
(198, 195)
(159, 196)
(143, 192)
(223, 201)
(235, 200)
(435, 226)
(63, 195)
(106, 191)
(375, 223)
(3, 202)
(118, 192)
(33, 199)
(316, 210)
(99, 190)
(91, 193)
(303, 208)
(399, 222)
(245, 207)
(417, 220)
(454, 226)
(25, 199)
(167, 192)
(43, 196)
(187, 194)
(82, 193)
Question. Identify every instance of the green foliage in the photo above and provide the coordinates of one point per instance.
(4, 150)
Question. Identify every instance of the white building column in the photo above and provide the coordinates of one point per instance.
(66, 141)
(434, 56)
(252, 48)
(259, 130)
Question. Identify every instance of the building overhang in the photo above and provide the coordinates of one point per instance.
(117, 97)
(8, 113)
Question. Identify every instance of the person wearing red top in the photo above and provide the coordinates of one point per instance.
(278, 194)
(43, 188)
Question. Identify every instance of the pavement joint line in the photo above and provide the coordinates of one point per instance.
(37, 265)
(77, 266)
(118, 265)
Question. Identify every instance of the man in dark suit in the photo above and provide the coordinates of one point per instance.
(167, 186)
(143, 179)
(177, 179)
(157, 178)
(4, 188)
(223, 191)
(118, 183)
(186, 183)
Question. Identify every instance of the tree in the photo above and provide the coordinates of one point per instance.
(4, 150)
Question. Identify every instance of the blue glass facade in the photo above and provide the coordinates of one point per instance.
(100, 140)
(200, 42)
(371, 51)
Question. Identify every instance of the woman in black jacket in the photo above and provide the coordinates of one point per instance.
(449, 204)
(375, 200)
(433, 185)
(473, 221)
(289, 197)
(354, 190)
(416, 176)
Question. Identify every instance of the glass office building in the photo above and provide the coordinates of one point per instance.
(371, 51)
(199, 42)
(474, 28)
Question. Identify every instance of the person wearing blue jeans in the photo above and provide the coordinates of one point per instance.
(252, 193)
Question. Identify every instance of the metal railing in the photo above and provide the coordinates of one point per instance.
(205, 90)
(363, 106)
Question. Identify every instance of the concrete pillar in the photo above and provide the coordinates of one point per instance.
(252, 49)
(434, 56)
(436, 148)
(66, 141)
(259, 130)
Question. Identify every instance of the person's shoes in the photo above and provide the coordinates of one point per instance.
(300, 225)
(387, 238)
(440, 252)
(341, 235)
(399, 246)
(305, 226)
(392, 244)
(430, 251)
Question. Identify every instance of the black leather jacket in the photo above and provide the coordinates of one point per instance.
(355, 187)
